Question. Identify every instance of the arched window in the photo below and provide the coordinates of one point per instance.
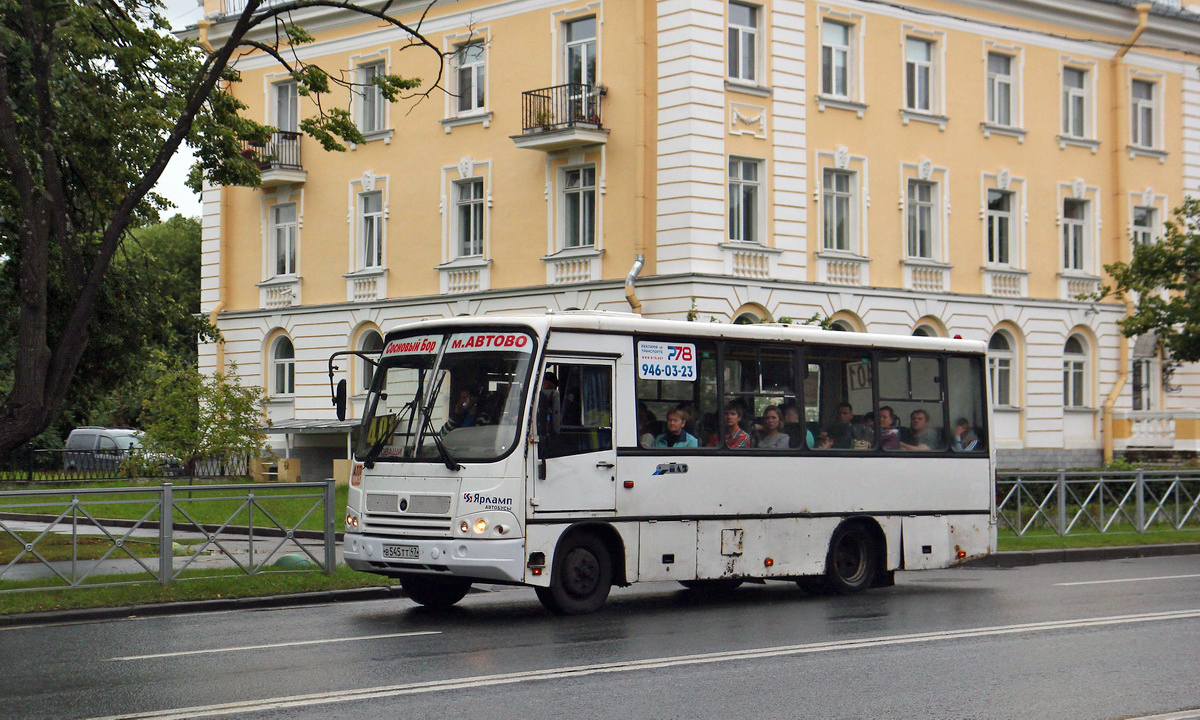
(747, 318)
(370, 342)
(1075, 372)
(924, 331)
(283, 367)
(842, 326)
(1001, 368)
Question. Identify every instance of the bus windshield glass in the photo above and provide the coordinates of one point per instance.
(453, 397)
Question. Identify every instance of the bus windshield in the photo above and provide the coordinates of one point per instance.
(453, 397)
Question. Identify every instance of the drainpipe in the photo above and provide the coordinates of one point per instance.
(639, 182)
(1120, 131)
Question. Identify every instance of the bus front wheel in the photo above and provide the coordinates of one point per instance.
(852, 562)
(435, 592)
(581, 578)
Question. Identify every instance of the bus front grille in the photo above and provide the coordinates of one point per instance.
(390, 526)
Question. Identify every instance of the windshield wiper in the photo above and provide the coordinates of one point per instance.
(443, 452)
(375, 449)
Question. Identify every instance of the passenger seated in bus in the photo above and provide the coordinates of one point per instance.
(549, 416)
(889, 431)
(794, 427)
(675, 435)
(735, 438)
(919, 435)
(965, 439)
(771, 438)
(464, 412)
(648, 426)
(844, 433)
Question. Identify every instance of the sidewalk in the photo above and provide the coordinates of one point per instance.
(998, 560)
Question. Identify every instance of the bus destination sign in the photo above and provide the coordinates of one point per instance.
(666, 361)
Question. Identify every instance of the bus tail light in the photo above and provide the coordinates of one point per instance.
(769, 562)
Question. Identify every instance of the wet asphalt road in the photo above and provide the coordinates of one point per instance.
(966, 643)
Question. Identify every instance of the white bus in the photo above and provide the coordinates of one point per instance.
(576, 451)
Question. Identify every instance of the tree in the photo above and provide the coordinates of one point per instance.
(1162, 279)
(95, 98)
(193, 417)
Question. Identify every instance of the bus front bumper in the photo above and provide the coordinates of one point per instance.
(494, 560)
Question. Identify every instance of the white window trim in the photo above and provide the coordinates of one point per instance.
(355, 189)
(1158, 149)
(274, 363)
(560, 243)
(457, 200)
(360, 365)
(1150, 199)
(1079, 190)
(1086, 365)
(760, 41)
(1090, 69)
(1013, 355)
(860, 187)
(283, 195)
(452, 175)
(271, 84)
(451, 117)
(1019, 212)
(360, 63)
(937, 80)
(1017, 55)
(760, 209)
(939, 178)
(856, 77)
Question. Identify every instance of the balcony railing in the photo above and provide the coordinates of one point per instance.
(281, 152)
(561, 107)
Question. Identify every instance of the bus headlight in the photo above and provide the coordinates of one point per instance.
(480, 526)
(464, 526)
(351, 522)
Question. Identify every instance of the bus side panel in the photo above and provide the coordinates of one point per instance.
(667, 550)
(544, 538)
(935, 541)
(741, 548)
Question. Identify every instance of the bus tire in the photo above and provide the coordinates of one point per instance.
(717, 586)
(435, 592)
(581, 578)
(852, 561)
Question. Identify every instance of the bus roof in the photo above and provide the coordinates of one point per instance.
(630, 323)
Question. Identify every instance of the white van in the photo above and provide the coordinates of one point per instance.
(99, 448)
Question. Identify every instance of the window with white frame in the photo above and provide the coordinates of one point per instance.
(285, 106)
(999, 227)
(744, 193)
(579, 207)
(1075, 371)
(283, 367)
(835, 59)
(1143, 384)
(283, 239)
(921, 225)
(837, 195)
(1144, 225)
(580, 49)
(1075, 100)
(370, 229)
(373, 115)
(743, 42)
(1074, 233)
(470, 74)
(1000, 85)
(1001, 368)
(469, 217)
(371, 343)
(918, 74)
(1144, 113)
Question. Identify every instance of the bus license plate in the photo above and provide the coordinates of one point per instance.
(408, 552)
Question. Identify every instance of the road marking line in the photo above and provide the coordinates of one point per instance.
(1123, 580)
(1181, 715)
(293, 701)
(273, 645)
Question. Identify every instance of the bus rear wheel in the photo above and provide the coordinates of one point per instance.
(852, 561)
(435, 592)
(581, 578)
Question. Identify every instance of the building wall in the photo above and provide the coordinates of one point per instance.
(675, 119)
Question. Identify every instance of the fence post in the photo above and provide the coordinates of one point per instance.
(1061, 486)
(166, 530)
(1140, 492)
(330, 535)
(29, 456)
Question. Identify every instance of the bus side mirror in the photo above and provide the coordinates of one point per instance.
(339, 399)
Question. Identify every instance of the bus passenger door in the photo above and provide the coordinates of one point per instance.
(574, 423)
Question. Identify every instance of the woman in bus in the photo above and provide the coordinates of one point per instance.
(772, 438)
(735, 437)
(889, 431)
(675, 435)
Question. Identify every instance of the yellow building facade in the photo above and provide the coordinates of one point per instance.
(947, 168)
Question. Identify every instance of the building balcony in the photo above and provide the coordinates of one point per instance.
(561, 117)
(1172, 430)
(278, 159)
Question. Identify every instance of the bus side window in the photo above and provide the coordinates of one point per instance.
(575, 413)
(965, 400)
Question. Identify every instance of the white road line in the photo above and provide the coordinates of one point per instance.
(234, 708)
(1181, 715)
(1102, 582)
(273, 645)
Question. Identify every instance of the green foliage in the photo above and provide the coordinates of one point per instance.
(191, 416)
(1163, 281)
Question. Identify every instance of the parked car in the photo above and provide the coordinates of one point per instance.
(100, 449)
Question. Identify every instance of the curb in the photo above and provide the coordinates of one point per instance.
(1009, 559)
(1023, 558)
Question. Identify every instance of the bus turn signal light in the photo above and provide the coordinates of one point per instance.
(628, 483)
(769, 562)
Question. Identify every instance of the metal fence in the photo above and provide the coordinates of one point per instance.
(244, 540)
(1061, 502)
(561, 107)
(29, 466)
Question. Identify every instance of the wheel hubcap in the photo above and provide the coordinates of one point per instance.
(849, 560)
(582, 572)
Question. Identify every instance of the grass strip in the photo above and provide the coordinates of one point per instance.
(195, 585)
(55, 547)
(1008, 541)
